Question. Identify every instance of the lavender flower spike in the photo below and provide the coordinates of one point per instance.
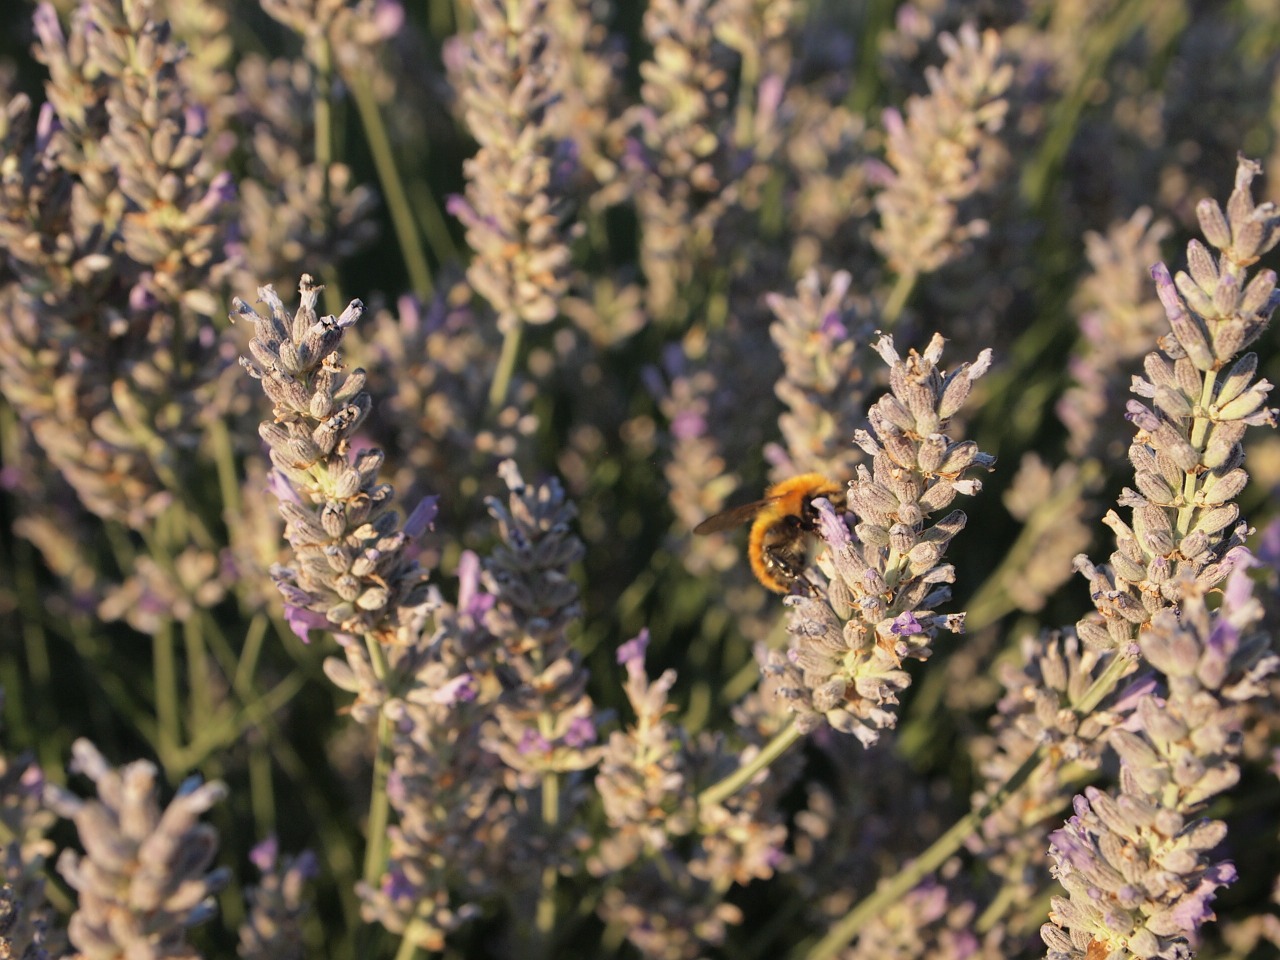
(1138, 866)
(143, 879)
(886, 578)
(350, 563)
(1202, 394)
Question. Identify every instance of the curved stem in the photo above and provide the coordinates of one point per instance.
(375, 131)
(726, 788)
(907, 878)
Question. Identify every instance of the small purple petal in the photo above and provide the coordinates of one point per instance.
(423, 514)
(1269, 544)
(688, 425)
(461, 689)
(279, 485)
(263, 855)
(833, 327)
(302, 621)
(532, 741)
(397, 886)
(905, 625)
(830, 526)
(582, 731)
(633, 650)
(307, 865)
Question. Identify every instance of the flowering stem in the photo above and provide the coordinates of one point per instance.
(1106, 682)
(166, 681)
(726, 788)
(898, 297)
(415, 258)
(379, 803)
(938, 853)
(545, 919)
(506, 365)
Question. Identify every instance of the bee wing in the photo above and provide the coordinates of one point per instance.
(733, 517)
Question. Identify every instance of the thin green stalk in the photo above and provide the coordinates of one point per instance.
(375, 131)
(898, 297)
(897, 886)
(165, 673)
(506, 364)
(201, 707)
(545, 918)
(1199, 434)
(782, 741)
(379, 803)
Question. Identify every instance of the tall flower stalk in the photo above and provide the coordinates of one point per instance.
(1202, 394)
(351, 572)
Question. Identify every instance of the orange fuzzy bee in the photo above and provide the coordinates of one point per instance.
(781, 524)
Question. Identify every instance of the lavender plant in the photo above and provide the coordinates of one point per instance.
(691, 229)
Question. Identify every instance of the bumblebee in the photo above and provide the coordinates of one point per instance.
(781, 524)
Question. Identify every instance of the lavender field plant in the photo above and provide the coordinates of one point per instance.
(703, 478)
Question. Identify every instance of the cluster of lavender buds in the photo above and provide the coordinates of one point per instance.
(509, 76)
(938, 157)
(351, 571)
(277, 905)
(295, 210)
(144, 879)
(1119, 317)
(1187, 455)
(665, 900)
(823, 384)
(1038, 712)
(447, 847)
(886, 579)
(113, 217)
(1139, 865)
(543, 720)
(679, 166)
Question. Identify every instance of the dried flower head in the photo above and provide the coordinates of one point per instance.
(1138, 865)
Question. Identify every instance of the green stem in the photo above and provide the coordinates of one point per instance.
(1199, 434)
(898, 297)
(201, 710)
(165, 671)
(726, 788)
(375, 131)
(545, 918)
(506, 364)
(379, 802)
